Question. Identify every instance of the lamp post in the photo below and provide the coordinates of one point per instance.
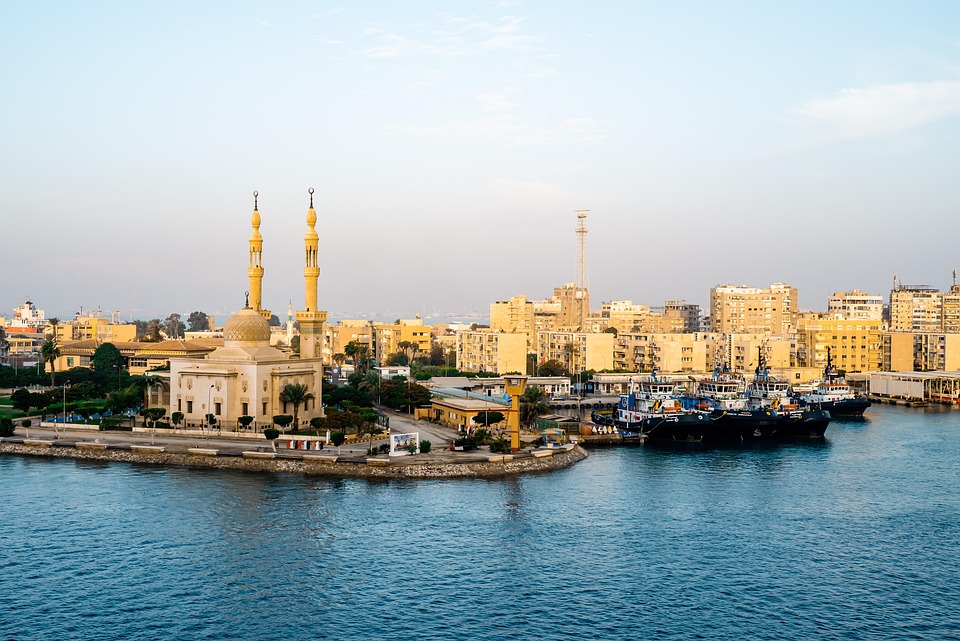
(209, 415)
(64, 408)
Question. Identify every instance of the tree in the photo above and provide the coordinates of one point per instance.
(533, 403)
(283, 420)
(107, 363)
(198, 321)
(368, 425)
(339, 359)
(173, 326)
(54, 323)
(398, 394)
(298, 394)
(21, 400)
(153, 414)
(271, 434)
(152, 332)
(397, 358)
(610, 330)
(274, 320)
(553, 367)
(244, 421)
(295, 343)
(488, 418)
(50, 353)
(176, 418)
(337, 438)
(6, 426)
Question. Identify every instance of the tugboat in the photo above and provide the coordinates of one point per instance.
(794, 422)
(652, 410)
(723, 398)
(834, 395)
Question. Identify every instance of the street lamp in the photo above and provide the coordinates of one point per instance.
(209, 415)
(64, 408)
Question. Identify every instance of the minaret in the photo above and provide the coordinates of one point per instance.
(255, 271)
(310, 318)
(289, 322)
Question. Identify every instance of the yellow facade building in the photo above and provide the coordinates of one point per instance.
(751, 310)
(492, 352)
(854, 344)
(577, 351)
(85, 328)
(915, 309)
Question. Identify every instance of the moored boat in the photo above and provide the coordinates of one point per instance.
(766, 391)
(834, 395)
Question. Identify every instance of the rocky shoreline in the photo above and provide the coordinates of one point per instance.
(424, 466)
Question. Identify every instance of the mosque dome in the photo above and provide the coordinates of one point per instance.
(246, 326)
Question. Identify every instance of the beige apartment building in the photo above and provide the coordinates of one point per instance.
(665, 352)
(578, 351)
(751, 310)
(855, 344)
(916, 309)
(84, 328)
(514, 316)
(381, 339)
(856, 305)
(920, 351)
(491, 351)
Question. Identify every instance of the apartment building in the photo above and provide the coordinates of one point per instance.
(855, 305)
(491, 351)
(854, 344)
(578, 351)
(738, 309)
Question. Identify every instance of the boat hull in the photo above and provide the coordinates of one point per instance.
(853, 407)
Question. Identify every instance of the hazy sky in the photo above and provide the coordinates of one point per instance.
(813, 143)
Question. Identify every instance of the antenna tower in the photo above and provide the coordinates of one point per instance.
(583, 284)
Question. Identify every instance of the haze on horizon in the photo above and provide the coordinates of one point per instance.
(748, 142)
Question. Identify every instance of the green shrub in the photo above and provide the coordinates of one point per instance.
(412, 448)
(384, 448)
(6, 426)
(425, 447)
(500, 446)
(271, 433)
(283, 420)
(245, 420)
(25, 423)
(337, 438)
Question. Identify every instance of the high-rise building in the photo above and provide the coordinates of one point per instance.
(856, 305)
(745, 310)
(915, 308)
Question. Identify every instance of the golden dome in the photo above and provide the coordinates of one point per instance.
(246, 326)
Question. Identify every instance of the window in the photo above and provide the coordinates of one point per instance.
(216, 408)
(69, 361)
(264, 408)
(179, 406)
(189, 407)
(244, 409)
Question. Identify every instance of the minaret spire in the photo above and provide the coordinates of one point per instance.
(310, 318)
(255, 269)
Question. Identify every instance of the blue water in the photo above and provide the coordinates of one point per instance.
(857, 537)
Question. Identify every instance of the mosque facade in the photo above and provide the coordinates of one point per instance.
(247, 376)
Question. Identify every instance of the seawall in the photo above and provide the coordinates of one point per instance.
(423, 466)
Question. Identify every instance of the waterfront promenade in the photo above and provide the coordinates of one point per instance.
(226, 451)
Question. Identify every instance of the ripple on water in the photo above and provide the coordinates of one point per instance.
(856, 537)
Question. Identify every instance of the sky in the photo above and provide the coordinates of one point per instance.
(450, 144)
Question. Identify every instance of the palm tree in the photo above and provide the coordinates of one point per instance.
(362, 359)
(54, 323)
(298, 394)
(339, 359)
(370, 382)
(533, 403)
(350, 351)
(50, 353)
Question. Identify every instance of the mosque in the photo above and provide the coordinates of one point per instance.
(246, 376)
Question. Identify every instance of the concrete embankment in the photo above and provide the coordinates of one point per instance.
(441, 465)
